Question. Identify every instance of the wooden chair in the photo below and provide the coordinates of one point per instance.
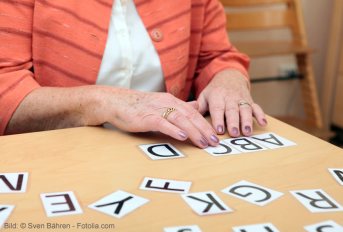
(259, 16)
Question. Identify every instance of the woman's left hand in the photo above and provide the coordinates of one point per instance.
(228, 97)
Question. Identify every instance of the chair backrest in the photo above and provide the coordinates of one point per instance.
(250, 15)
(267, 15)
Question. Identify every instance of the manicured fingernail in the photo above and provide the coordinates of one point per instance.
(247, 129)
(265, 121)
(204, 142)
(220, 129)
(183, 135)
(234, 131)
(214, 139)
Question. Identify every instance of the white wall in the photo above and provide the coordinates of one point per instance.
(317, 14)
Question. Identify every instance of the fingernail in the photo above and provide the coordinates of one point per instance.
(183, 135)
(204, 142)
(247, 129)
(265, 121)
(220, 129)
(214, 139)
(234, 131)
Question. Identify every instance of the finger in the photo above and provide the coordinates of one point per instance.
(203, 106)
(178, 119)
(232, 119)
(217, 108)
(157, 123)
(245, 112)
(202, 125)
(194, 104)
(259, 114)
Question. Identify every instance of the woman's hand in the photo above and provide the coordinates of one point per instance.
(136, 111)
(49, 108)
(228, 96)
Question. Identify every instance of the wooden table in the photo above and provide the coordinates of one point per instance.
(94, 162)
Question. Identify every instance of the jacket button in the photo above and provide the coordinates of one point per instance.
(156, 35)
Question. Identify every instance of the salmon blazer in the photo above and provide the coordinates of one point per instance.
(61, 43)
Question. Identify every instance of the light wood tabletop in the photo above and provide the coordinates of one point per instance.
(94, 162)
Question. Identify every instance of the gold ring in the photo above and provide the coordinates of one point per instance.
(242, 103)
(167, 112)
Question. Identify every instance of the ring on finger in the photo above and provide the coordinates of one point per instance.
(167, 112)
(243, 103)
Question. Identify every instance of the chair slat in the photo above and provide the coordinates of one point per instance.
(260, 20)
(270, 48)
(245, 3)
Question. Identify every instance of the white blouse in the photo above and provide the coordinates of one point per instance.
(130, 59)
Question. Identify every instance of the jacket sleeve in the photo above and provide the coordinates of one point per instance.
(216, 51)
(16, 79)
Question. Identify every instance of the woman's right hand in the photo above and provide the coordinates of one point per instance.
(48, 108)
(136, 111)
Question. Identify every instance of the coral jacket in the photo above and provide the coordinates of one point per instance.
(61, 43)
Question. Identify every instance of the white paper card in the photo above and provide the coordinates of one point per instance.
(60, 204)
(317, 201)
(118, 204)
(222, 149)
(13, 182)
(5, 212)
(272, 140)
(253, 193)
(337, 174)
(326, 226)
(163, 185)
(245, 144)
(193, 228)
(206, 203)
(161, 151)
(265, 227)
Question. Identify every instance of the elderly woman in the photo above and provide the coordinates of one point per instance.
(130, 63)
